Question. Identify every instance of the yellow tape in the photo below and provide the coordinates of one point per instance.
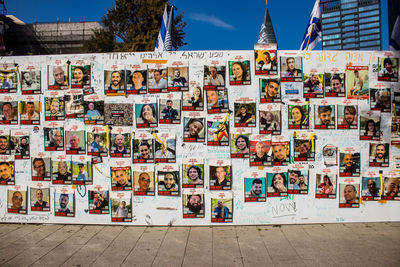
(66, 81)
(312, 139)
(305, 119)
(163, 145)
(20, 107)
(108, 137)
(261, 168)
(155, 61)
(381, 189)
(101, 172)
(74, 186)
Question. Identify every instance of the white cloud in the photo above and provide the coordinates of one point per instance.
(211, 20)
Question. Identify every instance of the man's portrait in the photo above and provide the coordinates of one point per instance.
(222, 210)
(64, 204)
(380, 99)
(99, 202)
(349, 164)
(120, 145)
(379, 155)
(61, 172)
(81, 172)
(245, 114)
(220, 177)
(313, 85)
(114, 82)
(54, 108)
(40, 169)
(94, 111)
(178, 77)
(157, 79)
(8, 112)
(136, 81)
(391, 187)
(168, 183)
(303, 150)
(144, 183)
(193, 205)
(349, 195)
(265, 62)
(7, 173)
(254, 189)
(194, 130)
(40, 199)
(97, 143)
(388, 69)
(371, 188)
(214, 77)
(121, 208)
(16, 201)
(325, 117)
(170, 111)
(31, 80)
(259, 153)
(347, 117)
(57, 77)
(357, 82)
(121, 178)
(291, 68)
(75, 142)
(30, 112)
(270, 90)
(281, 153)
(4, 145)
(54, 138)
(217, 101)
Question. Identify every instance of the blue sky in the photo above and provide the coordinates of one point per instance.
(211, 25)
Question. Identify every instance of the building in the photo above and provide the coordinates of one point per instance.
(351, 25)
(45, 38)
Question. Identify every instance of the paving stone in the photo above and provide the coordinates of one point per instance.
(252, 247)
(226, 251)
(88, 253)
(172, 249)
(61, 253)
(119, 249)
(45, 245)
(199, 250)
(146, 248)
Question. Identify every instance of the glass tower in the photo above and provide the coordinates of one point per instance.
(351, 24)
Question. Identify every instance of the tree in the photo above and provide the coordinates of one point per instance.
(133, 25)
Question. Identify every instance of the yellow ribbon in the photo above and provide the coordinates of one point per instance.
(312, 139)
(163, 143)
(306, 117)
(108, 138)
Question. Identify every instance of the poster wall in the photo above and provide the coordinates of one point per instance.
(200, 138)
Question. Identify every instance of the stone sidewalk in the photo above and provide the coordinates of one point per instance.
(358, 244)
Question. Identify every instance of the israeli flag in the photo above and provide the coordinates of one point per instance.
(394, 42)
(168, 35)
(313, 34)
(162, 33)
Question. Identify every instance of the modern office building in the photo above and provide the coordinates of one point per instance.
(351, 25)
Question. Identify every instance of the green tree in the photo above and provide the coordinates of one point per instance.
(133, 25)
